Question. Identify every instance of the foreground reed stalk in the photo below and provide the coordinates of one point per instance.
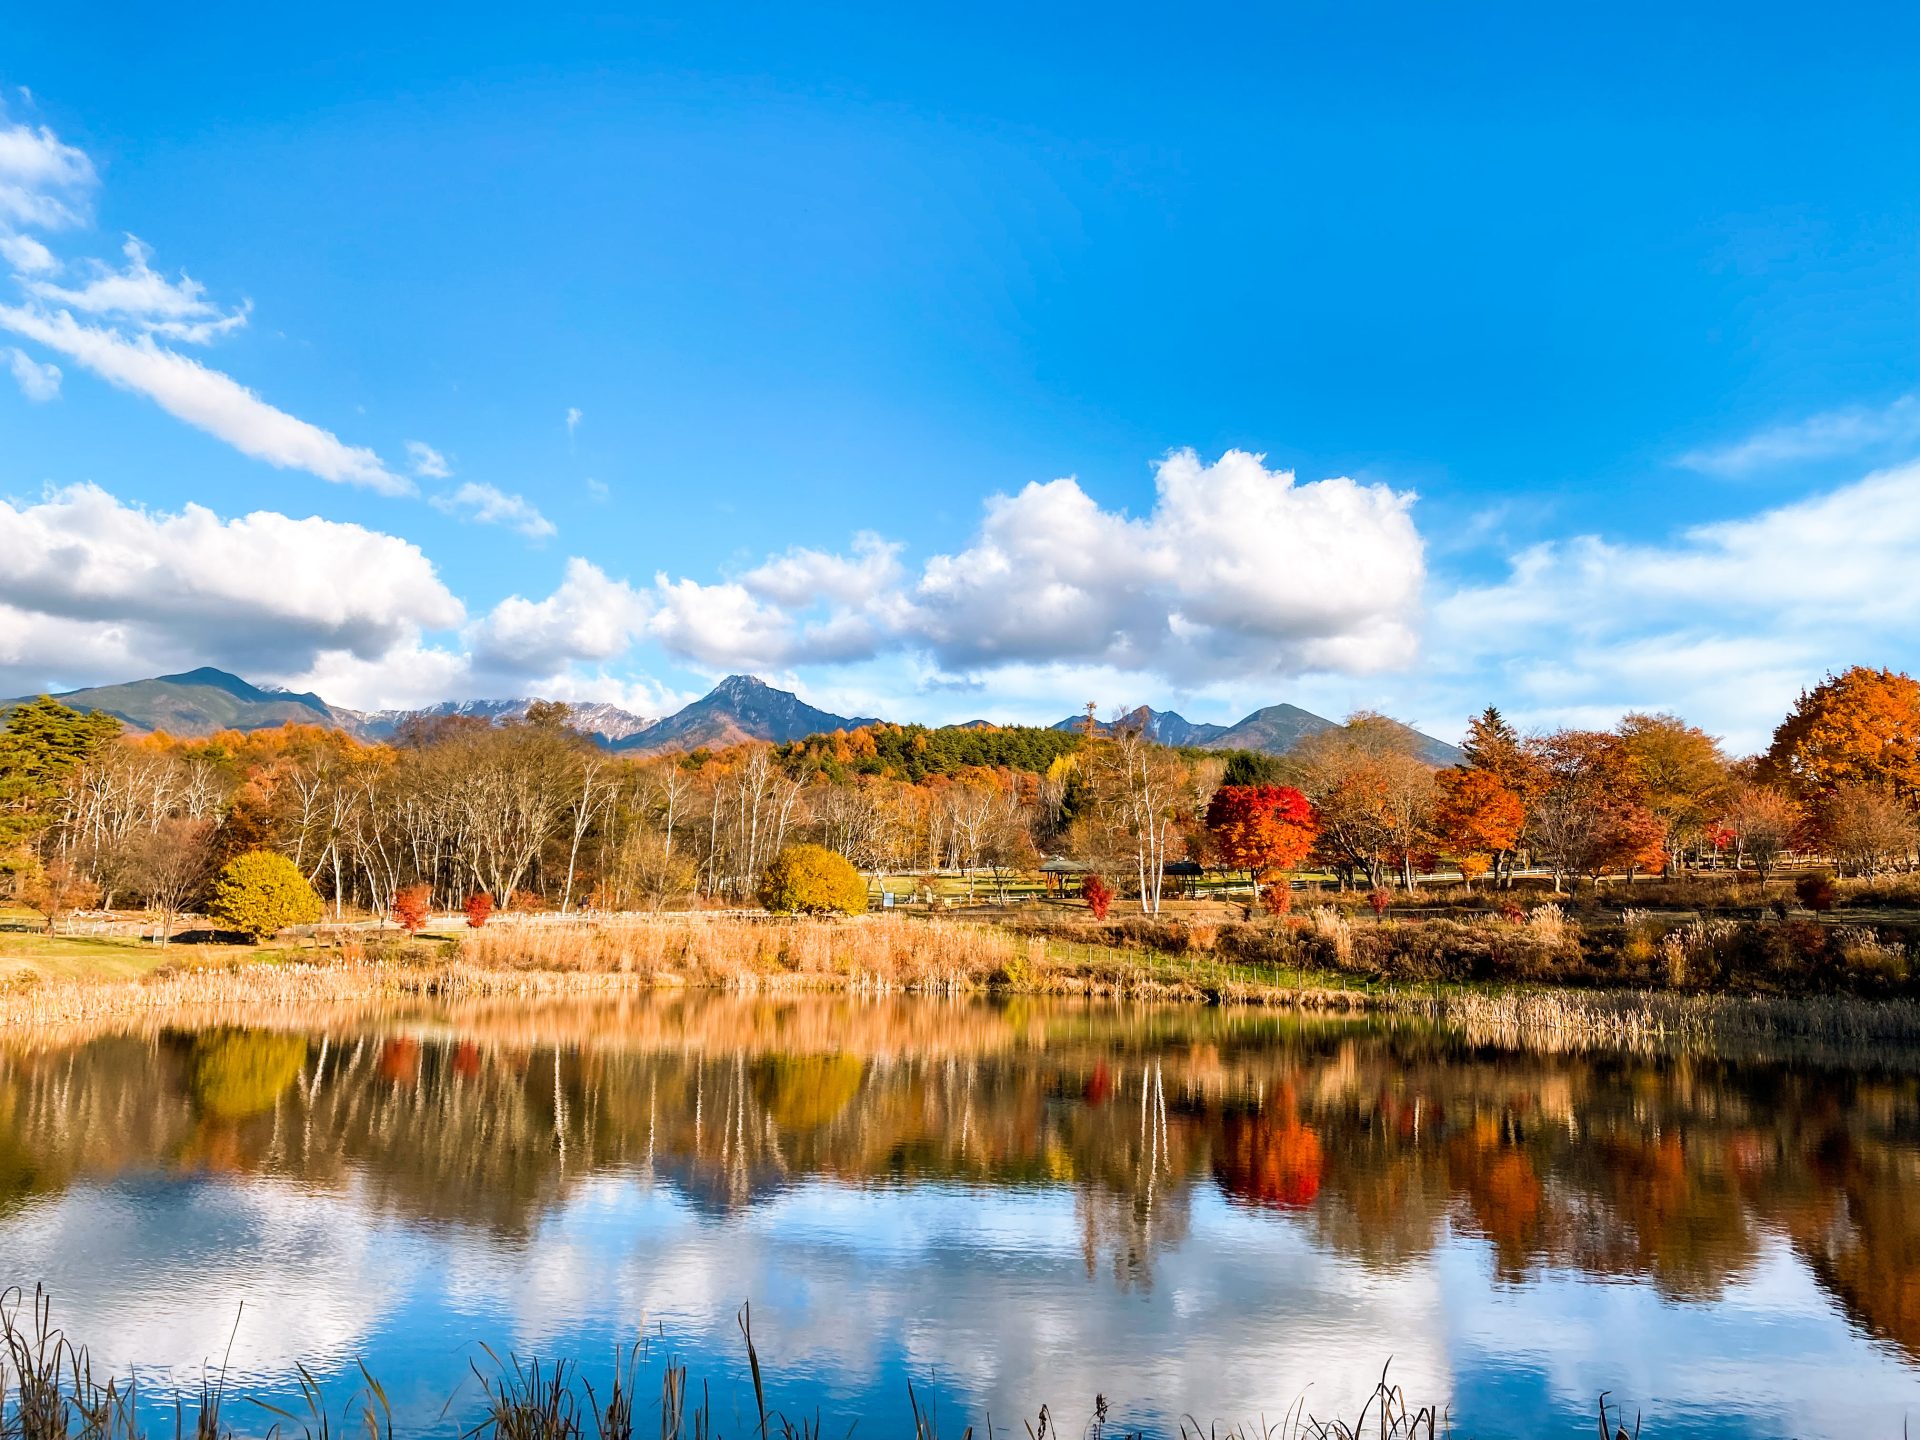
(48, 1391)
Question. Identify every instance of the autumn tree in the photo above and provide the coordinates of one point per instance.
(261, 893)
(1865, 828)
(1372, 794)
(411, 904)
(172, 864)
(1684, 776)
(1861, 727)
(812, 880)
(1262, 829)
(1493, 747)
(1591, 814)
(56, 888)
(1764, 822)
(1477, 818)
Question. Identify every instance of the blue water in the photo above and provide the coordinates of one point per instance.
(1043, 1216)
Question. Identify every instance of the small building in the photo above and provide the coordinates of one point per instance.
(1059, 873)
(1187, 873)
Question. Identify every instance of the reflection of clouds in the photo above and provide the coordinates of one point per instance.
(154, 1273)
(1771, 1347)
(986, 1288)
(987, 1291)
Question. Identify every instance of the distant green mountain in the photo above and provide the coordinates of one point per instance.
(198, 702)
(1272, 731)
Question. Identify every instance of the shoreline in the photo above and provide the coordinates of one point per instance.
(893, 958)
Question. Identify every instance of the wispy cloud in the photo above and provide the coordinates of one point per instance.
(427, 462)
(1856, 430)
(39, 383)
(573, 420)
(175, 309)
(205, 398)
(112, 320)
(45, 184)
(489, 505)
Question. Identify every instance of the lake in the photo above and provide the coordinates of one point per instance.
(1189, 1211)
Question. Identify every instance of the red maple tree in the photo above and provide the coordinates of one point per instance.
(410, 907)
(1265, 830)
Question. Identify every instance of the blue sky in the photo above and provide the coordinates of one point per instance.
(1587, 336)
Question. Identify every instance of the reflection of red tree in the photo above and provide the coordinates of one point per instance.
(1099, 1085)
(466, 1059)
(400, 1061)
(1269, 1159)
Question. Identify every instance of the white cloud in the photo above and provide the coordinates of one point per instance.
(39, 383)
(589, 617)
(206, 399)
(573, 420)
(174, 309)
(1237, 568)
(427, 462)
(44, 183)
(1854, 430)
(26, 255)
(93, 589)
(487, 505)
(1724, 623)
(802, 577)
(1237, 572)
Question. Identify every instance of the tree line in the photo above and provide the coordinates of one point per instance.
(528, 813)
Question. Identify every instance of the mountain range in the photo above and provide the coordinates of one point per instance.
(740, 707)
(1274, 731)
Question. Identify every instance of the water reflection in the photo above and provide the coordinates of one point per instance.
(1197, 1210)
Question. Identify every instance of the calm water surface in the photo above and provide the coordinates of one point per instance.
(1189, 1211)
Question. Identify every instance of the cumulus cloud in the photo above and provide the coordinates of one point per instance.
(1236, 565)
(39, 383)
(1237, 570)
(588, 617)
(805, 577)
(205, 398)
(427, 462)
(94, 589)
(1853, 430)
(488, 505)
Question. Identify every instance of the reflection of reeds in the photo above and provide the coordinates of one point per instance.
(876, 955)
(1648, 1022)
(49, 1393)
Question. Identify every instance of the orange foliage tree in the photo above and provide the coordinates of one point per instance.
(1477, 817)
(1861, 727)
(1262, 829)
